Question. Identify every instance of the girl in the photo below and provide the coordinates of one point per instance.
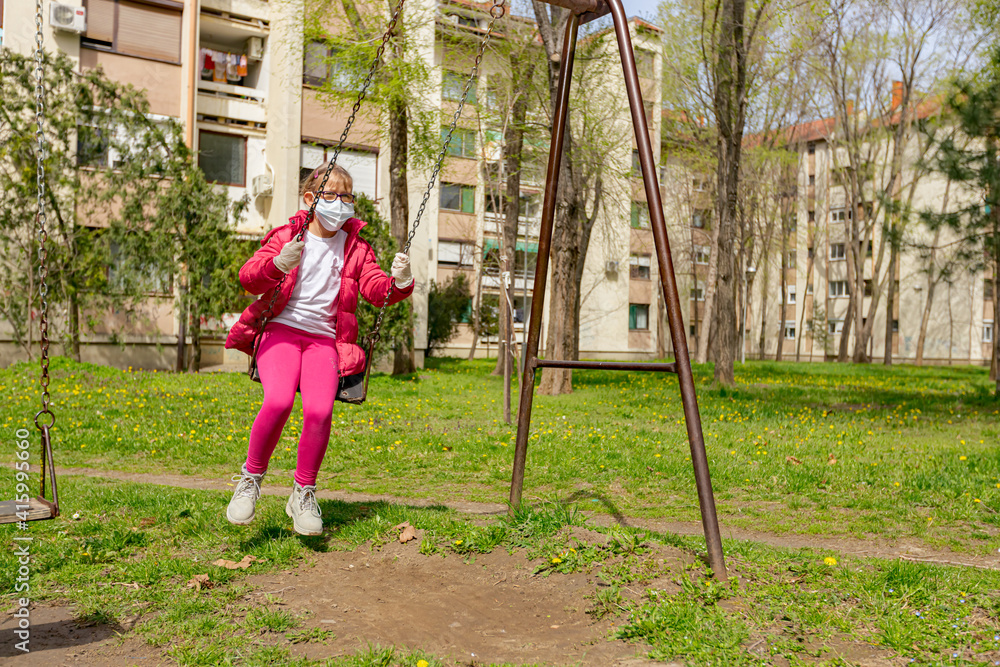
(311, 338)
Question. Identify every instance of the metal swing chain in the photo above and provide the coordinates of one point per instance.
(43, 273)
(340, 145)
(496, 12)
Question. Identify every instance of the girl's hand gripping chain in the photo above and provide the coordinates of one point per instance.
(401, 270)
(290, 255)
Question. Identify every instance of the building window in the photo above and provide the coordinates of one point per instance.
(790, 259)
(638, 316)
(838, 289)
(698, 291)
(809, 288)
(895, 326)
(838, 251)
(456, 253)
(693, 329)
(835, 326)
(636, 165)
(322, 65)
(988, 289)
(699, 218)
(699, 185)
(458, 198)
(701, 254)
(640, 215)
(868, 287)
(793, 226)
(987, 331)
(791, 294)
(223, 158)
(453, 85)
(639, 266)
(462, 142)
(840, 215)
(812, 216)
(812, 179)
(811, 147)
(810, 252)
(790, 330)
(644, 63)
(135, 28)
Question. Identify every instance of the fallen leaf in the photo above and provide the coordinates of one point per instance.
(230, 565)
(793, 460)
(199, 580)
(831, 461)
(148, 521)
(407, 532)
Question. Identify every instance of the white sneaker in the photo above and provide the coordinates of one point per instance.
(243, 506)
(304, 510)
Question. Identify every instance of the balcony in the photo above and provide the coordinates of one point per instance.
(230, 101)
(240, 93)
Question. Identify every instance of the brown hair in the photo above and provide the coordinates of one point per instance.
(312, 182)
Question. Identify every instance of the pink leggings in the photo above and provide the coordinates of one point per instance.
(290, 358)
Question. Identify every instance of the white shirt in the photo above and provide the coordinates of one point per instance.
(312, 305)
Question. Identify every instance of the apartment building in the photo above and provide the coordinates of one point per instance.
(237, 75)
(960, 323)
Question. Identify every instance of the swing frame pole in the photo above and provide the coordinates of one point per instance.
(681, 365)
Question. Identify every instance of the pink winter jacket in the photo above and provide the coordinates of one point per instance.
(361, 273)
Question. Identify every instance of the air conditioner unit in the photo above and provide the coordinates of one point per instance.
(611, 267)
(255, 48)
(262, 186)
(68, 18)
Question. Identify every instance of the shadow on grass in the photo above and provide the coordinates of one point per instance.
(580, 496)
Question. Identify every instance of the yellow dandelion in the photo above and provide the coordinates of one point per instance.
(830, 560)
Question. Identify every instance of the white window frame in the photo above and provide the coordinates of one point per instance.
(842, 255)
(835, 327)
(988, 331)
(791, 291)
(838, 293)
(701, 254)
(790, 327)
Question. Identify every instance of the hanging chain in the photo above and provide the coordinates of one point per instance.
(43, 272)
(336, 151)
(496, 12)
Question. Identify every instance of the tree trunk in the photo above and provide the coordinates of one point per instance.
(477, 300)
(708, 291)
(399, 207)
(181, 332)
(783, 286)
(730, 108)
(74, 326)
(571, 221)
(931, 286)
(194, 364)
(513, 142)
(890, 297)
(845, 333)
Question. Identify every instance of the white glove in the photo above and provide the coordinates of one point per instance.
(290, 255)
(401, 270)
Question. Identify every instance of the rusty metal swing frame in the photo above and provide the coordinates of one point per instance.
(581, 12)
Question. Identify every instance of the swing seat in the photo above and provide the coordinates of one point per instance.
(39, 509)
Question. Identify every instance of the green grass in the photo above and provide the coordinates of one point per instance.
(818, 449)
(914, 448)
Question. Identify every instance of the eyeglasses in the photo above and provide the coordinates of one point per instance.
(345, 197)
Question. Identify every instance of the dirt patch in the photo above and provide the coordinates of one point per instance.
(486, 609)
(58, 638)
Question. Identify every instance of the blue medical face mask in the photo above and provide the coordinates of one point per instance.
(333, 214)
